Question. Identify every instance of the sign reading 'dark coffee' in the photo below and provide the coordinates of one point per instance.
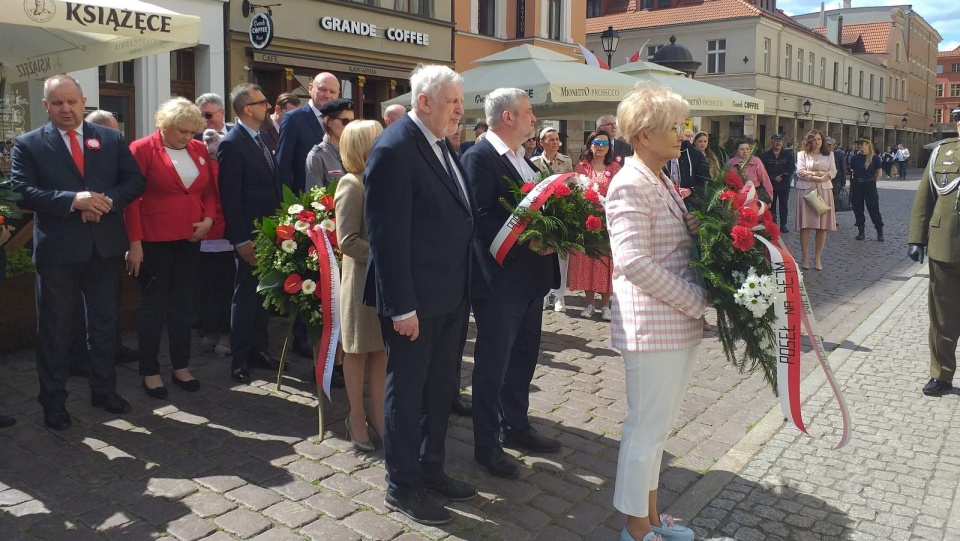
(360, 28)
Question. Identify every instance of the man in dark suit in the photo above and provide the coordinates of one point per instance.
(249, 190)
(301, 130)
(78, 178)
(479, 129)
(620, 148)
(211, 107)
(420, 220)
(507, 299)
(270, 131)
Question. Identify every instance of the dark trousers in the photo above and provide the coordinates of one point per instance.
(865, 192)
(168, 279)
(80, 346)
(248, 317)
(781, 202)
(504, 359)
(886, 168)
(944, 318)
(902, 166)
(418, 397)
(59, 290)
(214, 292)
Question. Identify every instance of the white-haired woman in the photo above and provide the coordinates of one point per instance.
(656, 315)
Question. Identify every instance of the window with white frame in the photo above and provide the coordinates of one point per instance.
(823, 72)
(955, 68)
(954, 90)
(717, 56)
(872, 79)
(881, 89)
(812, 61)
(652, 50)
(554, 27)
(486, 20)
(787, 63)
(800, 65)
(850, 80)
(940, 90)
(766, 55)
(939, 68)
(938, 115)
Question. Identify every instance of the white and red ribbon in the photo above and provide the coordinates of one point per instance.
(329, 284)
(514, 226)
(793, 311)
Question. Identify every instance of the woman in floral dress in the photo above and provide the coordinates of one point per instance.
(592, 276)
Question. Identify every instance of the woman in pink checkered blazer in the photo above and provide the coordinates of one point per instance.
(658, 306)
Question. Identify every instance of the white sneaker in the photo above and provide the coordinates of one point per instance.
(588, 311)
(546, 301)
(606, 314)
(559, 306)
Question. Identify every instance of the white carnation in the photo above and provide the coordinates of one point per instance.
(289, 246)
(315, 205)
(308, 287)
(329, 225)
(295, 209)
(301, 226)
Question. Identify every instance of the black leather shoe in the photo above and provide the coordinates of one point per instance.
(462, 406)
(190, 385)
(111, 402)
(531, 440)
(499, 464)
(240, 375)
(7, 422)
(156, 392)
(126, 355)
(450, 488)
(418, 508)
(264, 360)
(56, 417)
(336, 378)
(936, 387)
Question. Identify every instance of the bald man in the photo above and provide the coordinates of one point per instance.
(302, 129)
(103, 118)
(393, 113)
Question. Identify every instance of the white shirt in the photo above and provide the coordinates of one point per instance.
(183, 163)
(316, 111)
(514, 155)
(432, 140)
(66, 138)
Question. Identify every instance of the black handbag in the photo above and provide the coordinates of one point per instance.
(841, 201)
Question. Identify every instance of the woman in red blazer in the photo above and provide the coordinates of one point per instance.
(165, 226)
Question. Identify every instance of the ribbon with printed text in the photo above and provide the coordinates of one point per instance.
(329, 289)
(514, 226)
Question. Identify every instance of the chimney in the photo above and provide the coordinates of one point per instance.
(833, 29)
(839, 38)
(823, 15)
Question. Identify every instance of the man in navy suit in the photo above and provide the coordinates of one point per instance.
(78, 178)
(420, 219)
(249, 191)
(507, 299)
(301, 130)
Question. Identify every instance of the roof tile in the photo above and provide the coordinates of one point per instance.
(870, 38)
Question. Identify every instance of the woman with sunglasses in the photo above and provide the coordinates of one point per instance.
(592, 276)
(323, 162)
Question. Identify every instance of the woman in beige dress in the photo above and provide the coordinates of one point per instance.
(815, 171)
(360, 327)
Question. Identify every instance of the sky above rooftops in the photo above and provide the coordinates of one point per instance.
(944, 15)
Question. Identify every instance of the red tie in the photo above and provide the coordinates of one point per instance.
(76, 151)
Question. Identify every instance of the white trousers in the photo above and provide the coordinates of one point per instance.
(656, 384)
(561, 292)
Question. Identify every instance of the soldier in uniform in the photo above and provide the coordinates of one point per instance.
(935, 230)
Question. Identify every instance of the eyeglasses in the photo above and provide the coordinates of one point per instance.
(208, 116)
(343, 121)
(679, 129)
(600, 143)
(614, 124)
(261, 102)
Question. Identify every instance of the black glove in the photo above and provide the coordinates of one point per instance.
(916, 251)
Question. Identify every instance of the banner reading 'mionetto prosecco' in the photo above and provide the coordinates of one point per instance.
(39, 38)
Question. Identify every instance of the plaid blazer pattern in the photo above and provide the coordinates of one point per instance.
(658, 304)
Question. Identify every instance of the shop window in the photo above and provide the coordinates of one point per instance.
(118, 95)
(593, 8)
(555, 19)
(416, 7)
(183, 74)
(486, 20)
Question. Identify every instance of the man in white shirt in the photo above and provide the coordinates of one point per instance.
(302, 129)
(902, 155)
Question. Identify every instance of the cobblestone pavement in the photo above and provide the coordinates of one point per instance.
(244, 462)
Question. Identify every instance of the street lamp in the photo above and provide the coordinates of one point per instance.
(610, 38)
(903, 122)
(866, 117)
(806, 107)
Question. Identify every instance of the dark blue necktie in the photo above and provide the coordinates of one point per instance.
(450, 172)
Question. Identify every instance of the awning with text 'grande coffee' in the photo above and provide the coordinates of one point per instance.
(40, 38)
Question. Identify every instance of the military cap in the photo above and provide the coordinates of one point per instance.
(333, 107)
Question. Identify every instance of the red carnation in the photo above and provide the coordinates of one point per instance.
(311, 251)
(733, 180)
(284, 232)
(748, 217)
(727, 194)
(770, 225)
(292, 284)
(327, 201)
(527, 187)
(592, 196)
(307, 216)
(561, 191)
(742, 238)
(593, 223)
(739, 199)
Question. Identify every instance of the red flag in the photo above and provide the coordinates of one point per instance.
(635, 57)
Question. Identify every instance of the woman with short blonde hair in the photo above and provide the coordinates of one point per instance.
(658, 303)
(179, 112)
(362, 341)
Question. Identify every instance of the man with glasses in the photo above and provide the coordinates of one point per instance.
(937, 203)
(620, 148)
(211, 107)
(270, 131)
(302, 129)
(249, 190)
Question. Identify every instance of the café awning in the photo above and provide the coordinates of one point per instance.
(705, 99)
(40, 38)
